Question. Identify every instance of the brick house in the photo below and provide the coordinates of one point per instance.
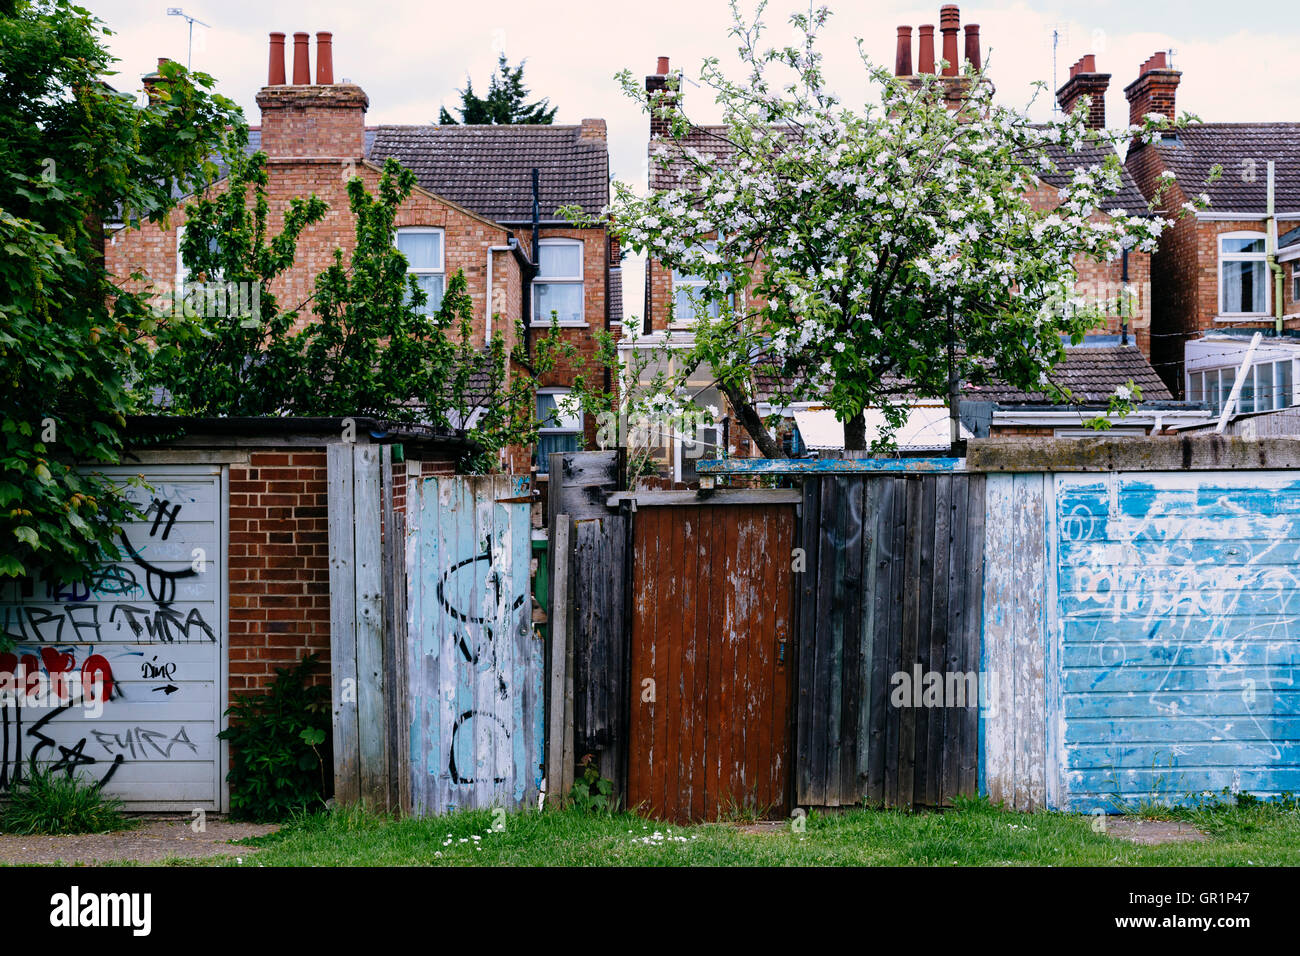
(472, 210)
(1124, 341)
(1231, 270)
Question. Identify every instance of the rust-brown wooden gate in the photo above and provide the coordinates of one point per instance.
(711, 659)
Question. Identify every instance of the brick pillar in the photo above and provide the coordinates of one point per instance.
(1086, 81)
(1153, 91)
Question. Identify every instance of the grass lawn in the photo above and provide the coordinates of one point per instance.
(977, 834)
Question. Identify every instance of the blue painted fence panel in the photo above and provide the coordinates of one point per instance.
(1178, 636)
(475, 667)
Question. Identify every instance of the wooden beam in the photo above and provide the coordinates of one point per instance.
(559, 660)
(343, 638)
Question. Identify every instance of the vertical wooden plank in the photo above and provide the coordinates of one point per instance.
(674, 638)
(763, 588)
(528, 652)
(559, 660)
(394, 552)
(807, 717)
(718, 718)
(863, 705)
(689, 524)
(730, 736)
(704, 603)
(411, 688)
(1030, 560)
(973, 627)
(371, 710)
(343, 638)
(882, 639)
(924, 637)
(997, 724)
(955, 662)
(827, 632)
(939, 638)
(640, 711)
(783, 623)
(856, 539)
(910, 639)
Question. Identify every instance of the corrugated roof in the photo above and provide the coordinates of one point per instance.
(1091, 373)
(1243, 150)
(488, 169)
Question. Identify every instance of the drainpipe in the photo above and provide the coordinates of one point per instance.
(1123, 295)
(1271, 257)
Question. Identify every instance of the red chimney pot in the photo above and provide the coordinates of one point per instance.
(301, 64)
(661, 68)
(973, 45)
(325, 58)
(275, 72)
(949, 23)
(903, 55)
(925, 55)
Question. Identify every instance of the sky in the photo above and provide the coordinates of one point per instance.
(410, 56)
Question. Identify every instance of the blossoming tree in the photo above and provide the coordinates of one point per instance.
(863, 256)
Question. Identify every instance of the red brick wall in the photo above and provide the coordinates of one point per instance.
(278, 560)
(278, 565)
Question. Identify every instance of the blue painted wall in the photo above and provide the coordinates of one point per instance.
(1178, 637)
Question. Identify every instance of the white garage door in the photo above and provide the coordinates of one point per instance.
(123, 680)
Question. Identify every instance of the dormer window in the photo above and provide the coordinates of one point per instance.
(424, 250)
(1243, 275)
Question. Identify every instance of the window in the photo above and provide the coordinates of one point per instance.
(558, 286)
(687, 307)
(561, 426)
(1266, 387)
(1295, 282)
(1243, 280)
(423, 248)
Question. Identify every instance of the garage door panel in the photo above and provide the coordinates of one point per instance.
(1177, 730)
(1258, 652)
(1178, 610)
(1226, 704)
(1158, 554)
(151, 623)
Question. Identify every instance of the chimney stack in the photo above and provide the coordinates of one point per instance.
(973, 45)
(152, 80)
(301, 65)
(949, 24)
(903, 55)
(659, 126)
(302, 120)
(324, 58)
(1154, 90)
(275, 72)
(925, 56)
(1086, 81)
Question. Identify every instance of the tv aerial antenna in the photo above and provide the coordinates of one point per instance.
(178, 12)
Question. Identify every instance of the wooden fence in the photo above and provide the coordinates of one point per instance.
(889, 625)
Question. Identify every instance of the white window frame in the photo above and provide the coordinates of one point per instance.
(1225, 257)
(1264, 378)
(1295, 281)
(577, 429)
(441, 269)
(678, 280)
(707, 439)
(578, 280)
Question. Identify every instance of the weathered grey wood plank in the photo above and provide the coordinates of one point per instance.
(559, 660)
(372, 723)
(343, 638)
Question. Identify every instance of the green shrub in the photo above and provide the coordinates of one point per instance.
(55, 802)
(281, 745)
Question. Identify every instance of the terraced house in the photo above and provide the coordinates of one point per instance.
(1118, 352)
(1230, 270)
(486, 204)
